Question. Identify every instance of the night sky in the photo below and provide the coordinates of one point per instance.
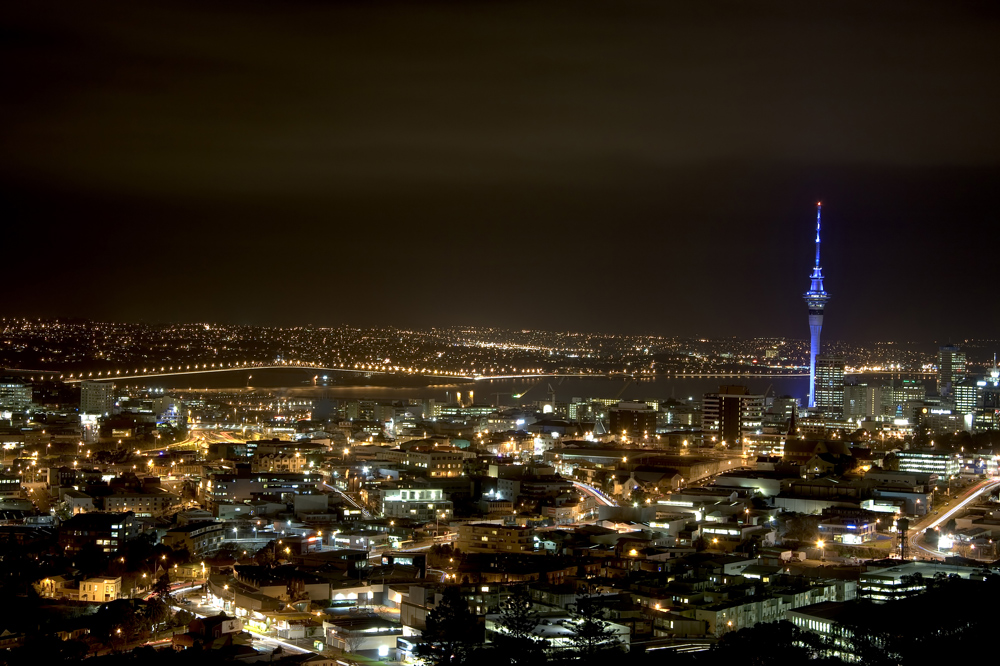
(644, 167)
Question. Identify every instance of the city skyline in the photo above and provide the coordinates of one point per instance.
(434, 333)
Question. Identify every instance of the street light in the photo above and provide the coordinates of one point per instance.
(822, 553)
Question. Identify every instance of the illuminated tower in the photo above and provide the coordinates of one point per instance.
(816, 299)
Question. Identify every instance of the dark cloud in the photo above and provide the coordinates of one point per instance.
(601, 165)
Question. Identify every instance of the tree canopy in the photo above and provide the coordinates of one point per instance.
(452, 632)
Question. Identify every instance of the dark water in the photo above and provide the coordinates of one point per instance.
(307, 383)
(487, 391)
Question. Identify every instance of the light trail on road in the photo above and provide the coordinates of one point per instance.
(918, 531)
(595, 493)
(364, 512)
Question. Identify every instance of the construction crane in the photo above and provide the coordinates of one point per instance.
(518, 396)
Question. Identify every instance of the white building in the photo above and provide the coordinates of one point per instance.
(14, 395)
(731, 413)
(928, 461)
(97, 397)
(423, 504)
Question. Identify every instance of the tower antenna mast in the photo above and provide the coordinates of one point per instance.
(816, 299)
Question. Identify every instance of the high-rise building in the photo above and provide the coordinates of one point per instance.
(97, 397)
(928, 461)
(857, 401)
(951, 368)
(15, 395)
(779, 412)
(816, 299)
(731, 413)
(978, 401)
(883, 401)
(904, 391)
(633, 419)
(828, 392)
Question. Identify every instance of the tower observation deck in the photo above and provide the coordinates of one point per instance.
(816, 299)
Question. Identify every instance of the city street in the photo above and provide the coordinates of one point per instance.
(948, 510)
(261, 642)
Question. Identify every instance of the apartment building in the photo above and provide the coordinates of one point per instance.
(490, 538)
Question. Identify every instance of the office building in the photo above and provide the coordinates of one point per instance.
(107, 531)
(197, 538)
(829, 389)
(435, 461)
(10, 486)
(730, 413)
(426, 505)
(929, 461)
(884, 401)
(15, 395)
(951, 369)
(245, 486)
(967, 396)
(491, 538)
(634, 420)
(857, 401)
(903, 391)
(97, 397)
(142, 504)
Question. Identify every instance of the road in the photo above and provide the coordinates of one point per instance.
(350, 500)
(954, 507)
(595, 493)
(260, 641)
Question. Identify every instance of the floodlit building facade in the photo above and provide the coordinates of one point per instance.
(829, 387)
(490, 538)
(731, 413)
(97, 397)
(951, 368)
(423, 504)
(929, 461)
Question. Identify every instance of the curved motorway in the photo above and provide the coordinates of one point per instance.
(930, 522)
(595, 493)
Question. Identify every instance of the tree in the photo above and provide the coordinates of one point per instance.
(156, 612)
(162, 586)
(638, 496)
(452, 631)
(594, 636)
(353, 640)
(516, 639)
(802, 528)
(768, 644)
(912, 583)
(116, 622)
(183, 618)
(189, 491)
(265, 556)
(90, 560)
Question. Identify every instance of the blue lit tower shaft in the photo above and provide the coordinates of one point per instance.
(816, 299)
